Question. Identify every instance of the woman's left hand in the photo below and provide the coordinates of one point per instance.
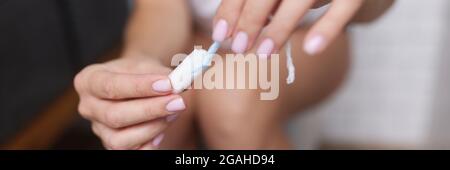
(244, 20)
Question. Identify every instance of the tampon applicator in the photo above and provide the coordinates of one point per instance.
(192, 67)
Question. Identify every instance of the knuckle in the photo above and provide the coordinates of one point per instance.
(157, 126)
(81, 78)
(280, 27)
(274, 33)
(95, 130)
(112, 119)
(252, 20)
(83, 110)
(78, 82)
(138, 87)
(109, 90)
(118, 142)
(115, 143)
(228, 12)
(150, 112)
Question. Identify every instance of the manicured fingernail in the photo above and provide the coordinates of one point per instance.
(266, 48)
(220, 31)
(176, 105)
(157, 141)
(172, 118)
(240, 43)
(314, 44)
(162, 86)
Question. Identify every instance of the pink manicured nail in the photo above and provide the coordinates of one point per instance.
(314, 44)
(176, 105)
(172, 118)
(162, 86)
(157, 141)
(266, 48)
(220, 31)
(240, 43)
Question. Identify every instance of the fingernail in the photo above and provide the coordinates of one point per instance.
(157, 141)
(266, 48)
(220, 31)
(172, 118)
(162, 86)
(313, 45)
(240, 43)
(176, 105)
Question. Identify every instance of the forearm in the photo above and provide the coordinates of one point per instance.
(372, 9)
(158, 28)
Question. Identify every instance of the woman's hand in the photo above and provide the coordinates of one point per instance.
(244, 21)
(129, 102)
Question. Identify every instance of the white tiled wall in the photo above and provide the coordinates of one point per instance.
(439, 126)
(390, 96)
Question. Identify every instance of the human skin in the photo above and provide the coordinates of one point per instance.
(129, 100)
(238, 119)
(243, 21)
(130, 110)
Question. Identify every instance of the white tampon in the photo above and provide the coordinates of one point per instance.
(290, 64)
(192, 67)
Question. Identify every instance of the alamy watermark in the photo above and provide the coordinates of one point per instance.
(238, 71)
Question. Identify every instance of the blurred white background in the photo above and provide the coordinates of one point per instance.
(397, 94)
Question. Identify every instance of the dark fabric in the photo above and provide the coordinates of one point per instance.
(43, 44)
(1, 2)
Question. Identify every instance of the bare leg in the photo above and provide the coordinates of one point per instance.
(237, 119)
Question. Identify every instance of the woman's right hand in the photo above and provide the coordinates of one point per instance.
(128, 101)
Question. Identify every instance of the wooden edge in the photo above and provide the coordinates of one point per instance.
(48, 126)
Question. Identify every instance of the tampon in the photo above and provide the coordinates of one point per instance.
(200, 60)
(192, 67)
(290, 64)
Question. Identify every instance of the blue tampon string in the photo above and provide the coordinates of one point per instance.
(214, 48)
(212, 51)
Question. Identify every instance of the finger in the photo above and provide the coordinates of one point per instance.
(153, 144)
(226, 19)
(84, 107)
(96, 131)
(132, 112)
(115, 86)
(129, 138)
(251, 21)
(330, 25)
(284, 22)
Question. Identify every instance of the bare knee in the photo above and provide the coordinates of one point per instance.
(236, 119)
